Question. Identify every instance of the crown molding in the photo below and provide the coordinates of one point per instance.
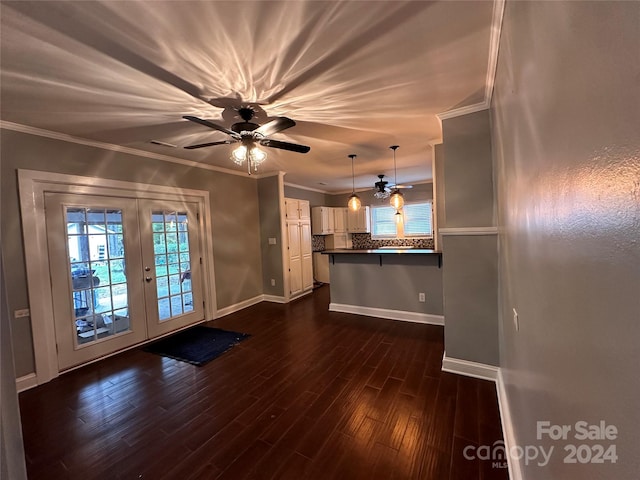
(17, 127)
(494, 48)
(302, 187)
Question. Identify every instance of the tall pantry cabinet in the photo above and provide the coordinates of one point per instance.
(300, 268)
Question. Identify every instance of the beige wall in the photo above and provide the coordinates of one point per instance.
(566, 123)
(236, 227)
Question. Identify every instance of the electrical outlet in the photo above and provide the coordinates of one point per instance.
(421, 297)
(516, 321)
(21, 313)
(273, 282)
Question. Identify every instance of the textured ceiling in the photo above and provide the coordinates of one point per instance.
(357, 77)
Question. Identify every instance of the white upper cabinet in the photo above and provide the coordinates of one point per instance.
(297, 209)
(358, 222)
(340, 219)
(322, 221)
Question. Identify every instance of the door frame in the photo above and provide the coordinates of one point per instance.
(32, 187)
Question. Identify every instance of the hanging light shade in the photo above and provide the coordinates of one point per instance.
(354, 202)
(396, 199)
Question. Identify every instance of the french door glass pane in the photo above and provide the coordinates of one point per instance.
(172, 263)
(97, 266)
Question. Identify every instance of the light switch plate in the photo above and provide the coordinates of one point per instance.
(272, 240)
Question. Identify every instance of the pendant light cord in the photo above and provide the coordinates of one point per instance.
(353, 178)
(395, 170)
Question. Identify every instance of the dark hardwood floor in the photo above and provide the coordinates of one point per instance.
(311, 395)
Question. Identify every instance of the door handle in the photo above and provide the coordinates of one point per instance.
(148, 279)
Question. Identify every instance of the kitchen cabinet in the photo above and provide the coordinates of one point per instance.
(300, 260)
(322, 220)
(338, 240)
(358, 222)
(297, 209)
(340, 219)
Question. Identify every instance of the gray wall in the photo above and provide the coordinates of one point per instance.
(468, 173)
(566, 123)
(360, 280)
(236, 228)
(270, 227)
(12, 464)
(470, 283)
(316, 199)
(419, 192)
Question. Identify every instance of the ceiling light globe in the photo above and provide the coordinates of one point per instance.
(239, 154)
(396, 199)
(257, 156)
(354, 203)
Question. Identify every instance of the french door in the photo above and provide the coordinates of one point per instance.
(122, 271)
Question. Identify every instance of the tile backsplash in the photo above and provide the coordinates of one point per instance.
(364, 241)
(317, 243)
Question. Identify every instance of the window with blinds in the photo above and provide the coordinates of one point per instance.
(417, 220)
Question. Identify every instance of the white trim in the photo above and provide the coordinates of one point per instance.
(492, 63)
(239, 306)
(16, 127)
(401, 315)
(469, 369)
(32, 187)
(284, 235)
(494, 47)
(458, 112)
(248, 303)
(274, 299)
(515, 470)
(302, 187)
(469, 231)
(26, 382)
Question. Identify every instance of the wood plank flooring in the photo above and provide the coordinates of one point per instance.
(312, 394)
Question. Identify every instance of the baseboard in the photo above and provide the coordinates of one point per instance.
(469, 369)
(26, 382)
(404, 316)
(239, 306)
(274, 299)
(510, 443)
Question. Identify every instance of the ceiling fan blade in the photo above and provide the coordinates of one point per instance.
(293, 147)
(274, 126)
(210, 144)
(209, 124)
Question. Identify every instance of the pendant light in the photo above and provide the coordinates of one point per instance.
(354, 200)
(396, 199)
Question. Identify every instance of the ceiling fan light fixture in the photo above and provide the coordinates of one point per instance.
(382, 194)
(354, 202)
(256, 156)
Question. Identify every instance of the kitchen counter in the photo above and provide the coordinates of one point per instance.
(383, 251)
(397, 283)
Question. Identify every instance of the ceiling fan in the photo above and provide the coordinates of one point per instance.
(249, 135)
(383, 189)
